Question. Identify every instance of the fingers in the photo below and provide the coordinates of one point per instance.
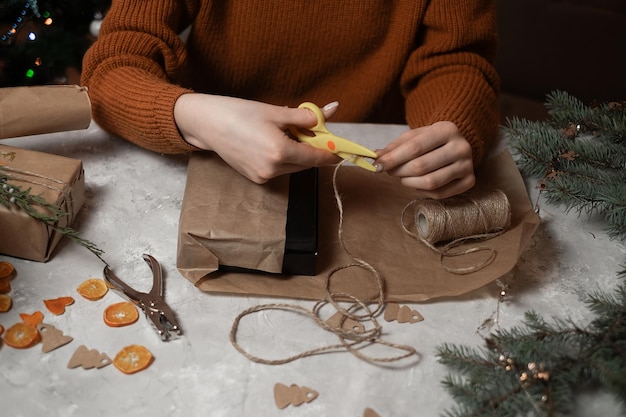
(418, 142)
(442, 183)
(304, 117)
(330, 109)
(435, 160)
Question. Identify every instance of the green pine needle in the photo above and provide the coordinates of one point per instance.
(580, 152)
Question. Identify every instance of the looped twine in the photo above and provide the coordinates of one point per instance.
(351, 339)
(474, 216)
(32, 178)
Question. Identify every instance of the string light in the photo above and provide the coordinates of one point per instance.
(9, 36)
(28, 30)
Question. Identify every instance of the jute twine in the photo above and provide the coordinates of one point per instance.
(53, 184)
(350, 339)
(475, 215)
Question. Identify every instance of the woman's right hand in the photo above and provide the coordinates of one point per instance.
(249, 135)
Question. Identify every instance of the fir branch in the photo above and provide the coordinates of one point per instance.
(538, 367)
(608, 119)
(581, 154)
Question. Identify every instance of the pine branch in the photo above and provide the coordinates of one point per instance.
(535, 368)
(581, 154)
(538, 367)
(607, 119)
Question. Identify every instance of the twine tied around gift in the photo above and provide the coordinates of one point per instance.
(44, 181)
(353, 335)
(475, 215)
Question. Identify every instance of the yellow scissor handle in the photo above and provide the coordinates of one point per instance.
(320, 137)
(319, 114)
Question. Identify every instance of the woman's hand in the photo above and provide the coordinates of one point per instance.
(250, 136)
(436, 160)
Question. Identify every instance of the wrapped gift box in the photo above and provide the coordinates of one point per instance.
(58, 180)
(226, 219)
(231, 224)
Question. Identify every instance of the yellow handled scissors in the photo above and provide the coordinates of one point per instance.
(320, 137)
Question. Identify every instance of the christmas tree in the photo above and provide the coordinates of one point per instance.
(538, 367)
(43, 42)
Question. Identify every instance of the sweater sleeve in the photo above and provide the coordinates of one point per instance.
(131, 68)
(450, 75)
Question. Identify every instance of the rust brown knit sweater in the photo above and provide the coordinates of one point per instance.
(413, 61)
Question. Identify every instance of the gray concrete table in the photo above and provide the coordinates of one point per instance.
(132, 207)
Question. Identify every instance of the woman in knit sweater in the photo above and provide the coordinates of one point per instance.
(233, 85)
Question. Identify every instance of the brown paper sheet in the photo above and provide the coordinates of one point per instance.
(372, 231)
(59, 180)
(36, 110)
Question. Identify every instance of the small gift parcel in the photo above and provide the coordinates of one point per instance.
(37, 183)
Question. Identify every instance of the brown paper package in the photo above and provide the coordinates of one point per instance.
(250, 233)
(59, 180)
(26, 111)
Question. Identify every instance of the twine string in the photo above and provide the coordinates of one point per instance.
(476, 216)
(28, 177)
(350, 340)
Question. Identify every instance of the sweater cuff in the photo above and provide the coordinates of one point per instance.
(164, 119)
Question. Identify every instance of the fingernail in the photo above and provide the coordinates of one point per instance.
(379, 168)
(330, 106)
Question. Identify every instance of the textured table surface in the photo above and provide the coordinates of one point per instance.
(133, 206)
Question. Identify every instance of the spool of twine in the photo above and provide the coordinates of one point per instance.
(475, 215)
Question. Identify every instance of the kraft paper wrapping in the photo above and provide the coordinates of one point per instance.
(57, 179)
(26, 111)
(372, 231)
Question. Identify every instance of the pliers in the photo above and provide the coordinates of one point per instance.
(152, 303)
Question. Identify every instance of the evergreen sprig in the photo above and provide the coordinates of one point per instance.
(38, 208)
(539, 367)
(580, 152)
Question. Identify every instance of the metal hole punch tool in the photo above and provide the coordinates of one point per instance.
(320, 137)
(152, 303)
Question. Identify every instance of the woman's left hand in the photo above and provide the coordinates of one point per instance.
(436, 160)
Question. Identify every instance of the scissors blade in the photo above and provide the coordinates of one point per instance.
(358, 161)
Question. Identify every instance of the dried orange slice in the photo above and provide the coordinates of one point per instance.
(21, 336)
(57, 305)
(5, 303)
(93, 288)
(132, 358)
(5, 286)
(120, 314)
(1, 329)
(32, 319)
(6, 269)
